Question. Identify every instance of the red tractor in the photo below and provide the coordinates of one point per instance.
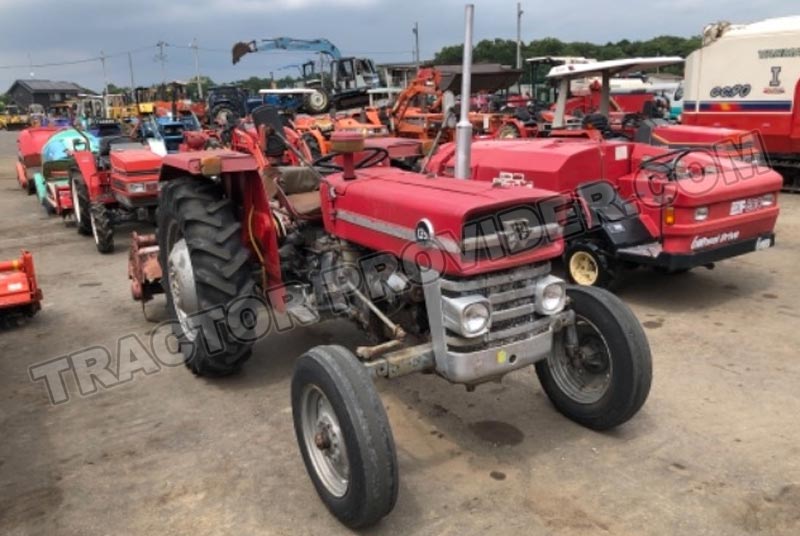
(401, 255)
(119, 183)
(19, 292)
(637, 204)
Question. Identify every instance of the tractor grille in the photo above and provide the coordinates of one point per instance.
(511, 294)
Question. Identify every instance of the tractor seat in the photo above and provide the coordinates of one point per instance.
(299, 185)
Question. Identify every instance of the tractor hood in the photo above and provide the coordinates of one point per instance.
(404, 213)
(555, 164)
(135, 161)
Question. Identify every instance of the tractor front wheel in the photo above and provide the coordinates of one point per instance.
(605, 380)
(102, 227)
(207, 272)
(81, 205)
(588, 265)
(344, 436)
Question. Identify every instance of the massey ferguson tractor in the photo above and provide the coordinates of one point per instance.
(448, 276)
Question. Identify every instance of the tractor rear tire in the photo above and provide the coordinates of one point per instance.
(220, 109)
(102, 228)
(199, 239)
(344, 436)
(318, 102)
(81, 204)
(31, 186)
(313, 147)
(609, 384)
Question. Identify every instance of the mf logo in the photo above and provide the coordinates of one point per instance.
(776, 77)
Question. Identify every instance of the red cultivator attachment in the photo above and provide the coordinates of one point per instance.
(144, 270)
(19, 293)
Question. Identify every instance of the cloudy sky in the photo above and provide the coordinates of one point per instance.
(49, 31)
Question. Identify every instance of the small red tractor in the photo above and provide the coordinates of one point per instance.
(29, 151)
(19, 292)
(637, 204)
(116, 184)
(401, 255)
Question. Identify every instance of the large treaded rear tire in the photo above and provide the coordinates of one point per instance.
(196, 211)
(361, 434)
(83, 221)
(630, 371)
(102, 228)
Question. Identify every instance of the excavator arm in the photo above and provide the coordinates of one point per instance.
(323, 46)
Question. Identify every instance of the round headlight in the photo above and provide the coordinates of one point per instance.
(553, 297)
(475, 319)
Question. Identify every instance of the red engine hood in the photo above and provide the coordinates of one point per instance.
(135, 161)
(383, 208)
(555, 164)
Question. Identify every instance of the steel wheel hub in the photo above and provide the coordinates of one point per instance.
(182, 286)
(586, 376)
(583, 268)
(324, 441)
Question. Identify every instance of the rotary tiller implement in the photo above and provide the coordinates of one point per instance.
(19, 291)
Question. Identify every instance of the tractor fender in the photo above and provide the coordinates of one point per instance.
(22, 175)
(86, 165)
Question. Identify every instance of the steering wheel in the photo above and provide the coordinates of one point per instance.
(375, 156)
(657, 164)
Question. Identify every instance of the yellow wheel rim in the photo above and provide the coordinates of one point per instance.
(583, 268)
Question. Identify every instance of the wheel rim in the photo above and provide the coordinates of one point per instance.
(317, 99)
(324, 441)
(76, 207)
(585, 378)
(182, 286)
(583, 268)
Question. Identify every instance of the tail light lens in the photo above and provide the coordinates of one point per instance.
(669, 215)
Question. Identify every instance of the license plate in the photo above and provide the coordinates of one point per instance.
(763, 243)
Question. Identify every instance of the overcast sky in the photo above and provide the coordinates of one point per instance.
(50, 31)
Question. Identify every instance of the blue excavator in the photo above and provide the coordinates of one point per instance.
(346, 85)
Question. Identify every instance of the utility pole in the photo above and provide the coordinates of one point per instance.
(30, 62)
(130, 67)
(197, 69)
(105, 75)
(162, 58)
(415, 31)
(519, 35)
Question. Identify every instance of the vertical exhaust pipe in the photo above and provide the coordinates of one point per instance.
(464, 127)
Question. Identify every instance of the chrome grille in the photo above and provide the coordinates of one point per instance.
(511, 294)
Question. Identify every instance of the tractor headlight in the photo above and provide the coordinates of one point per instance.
(137, 188)
(550, 295)
(469, 315)
(701, 214)
(767, 200)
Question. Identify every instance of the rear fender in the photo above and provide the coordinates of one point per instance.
(86, 164)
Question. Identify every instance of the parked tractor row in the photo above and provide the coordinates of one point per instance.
(433, 225)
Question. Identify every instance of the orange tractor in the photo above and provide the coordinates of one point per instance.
(19, 291)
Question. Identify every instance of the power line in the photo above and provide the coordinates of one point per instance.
(74, 62)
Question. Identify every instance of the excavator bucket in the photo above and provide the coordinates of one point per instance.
(242, 48)
(19, 292)
(144, 269)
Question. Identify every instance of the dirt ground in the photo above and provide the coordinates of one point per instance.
(715, 450)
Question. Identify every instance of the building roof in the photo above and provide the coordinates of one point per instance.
(47, 86)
